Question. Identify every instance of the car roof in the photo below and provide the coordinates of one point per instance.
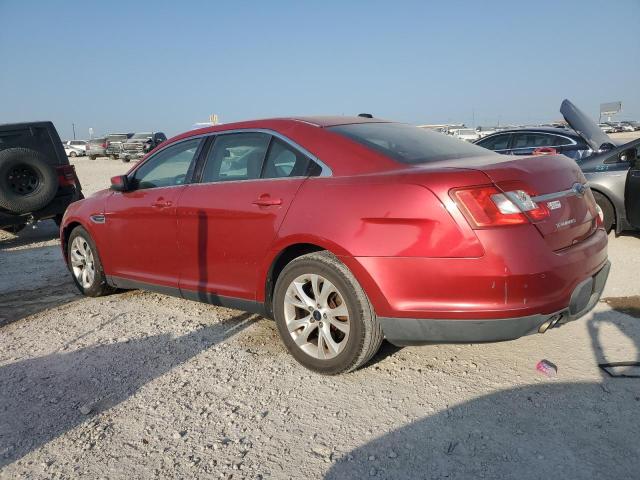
(556, 130)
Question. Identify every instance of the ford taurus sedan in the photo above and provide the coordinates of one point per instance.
(347, 231)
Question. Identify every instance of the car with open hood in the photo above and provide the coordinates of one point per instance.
(610, 168)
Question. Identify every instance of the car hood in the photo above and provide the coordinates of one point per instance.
(585, 127)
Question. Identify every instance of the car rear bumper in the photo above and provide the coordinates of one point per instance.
(416, 331)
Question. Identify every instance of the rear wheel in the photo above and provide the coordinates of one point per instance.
(323, 316)
(92, 157)
(73, 154)
(85, 265)
(608, 213)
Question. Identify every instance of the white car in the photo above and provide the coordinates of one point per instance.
(468, 134)
(606, 128)
(78, 145)
(73, 151)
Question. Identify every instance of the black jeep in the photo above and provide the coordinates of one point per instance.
(36, 180)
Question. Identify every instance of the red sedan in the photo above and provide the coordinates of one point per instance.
(347, 231)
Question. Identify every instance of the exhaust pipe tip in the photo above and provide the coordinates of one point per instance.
(544, 327)
(550, 323)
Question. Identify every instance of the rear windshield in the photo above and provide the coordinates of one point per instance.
(408, 144)
(97, 141)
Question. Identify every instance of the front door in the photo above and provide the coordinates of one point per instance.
(632, 189)
(227, 223)
(141, 223)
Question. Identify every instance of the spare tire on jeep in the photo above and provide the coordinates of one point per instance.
(27, 182)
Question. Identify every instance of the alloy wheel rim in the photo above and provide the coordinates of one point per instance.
(316, 316)
(82, 262)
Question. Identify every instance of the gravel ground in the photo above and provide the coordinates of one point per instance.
(140, 385)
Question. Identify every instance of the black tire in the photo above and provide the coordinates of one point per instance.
(365, 334)
(92, 157)
(73, 154)
(27, 182)
(113, 157)
(14, 228)
(608, 213)
(99, 286)
(126, 159)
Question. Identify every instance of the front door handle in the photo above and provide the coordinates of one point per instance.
(267, 202)
(160, 203)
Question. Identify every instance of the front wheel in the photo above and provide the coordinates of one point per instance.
(73, 154)
(85, 265)
(323, 316)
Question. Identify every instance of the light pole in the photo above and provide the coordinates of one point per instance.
(74, 130)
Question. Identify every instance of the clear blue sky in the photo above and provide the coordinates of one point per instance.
(120, 66)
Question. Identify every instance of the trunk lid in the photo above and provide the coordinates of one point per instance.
(556, 183)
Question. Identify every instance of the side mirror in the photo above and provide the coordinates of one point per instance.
(630, 155)
(120, 183)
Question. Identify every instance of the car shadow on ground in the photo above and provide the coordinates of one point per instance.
(551, 430)
(558, 430)
(44, 231)
(17, 305)
(42, 398)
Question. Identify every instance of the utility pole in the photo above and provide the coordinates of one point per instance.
(74, 130)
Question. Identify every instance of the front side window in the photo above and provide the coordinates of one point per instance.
(236, 156)
(408, 144)
(283, 161)
(496, 142)
(532, 140)
(168, 167)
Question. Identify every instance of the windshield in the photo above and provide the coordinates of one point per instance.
(408, 144)
(142, 135)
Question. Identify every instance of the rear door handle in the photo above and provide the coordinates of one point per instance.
(267, 202)
(162, 204)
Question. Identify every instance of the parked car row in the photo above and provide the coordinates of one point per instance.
(123, 146)
(622, 126)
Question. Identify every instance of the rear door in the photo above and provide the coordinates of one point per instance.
(632, 192)
(228, 222)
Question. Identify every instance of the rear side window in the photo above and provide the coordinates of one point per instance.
(532, 140)
(496, 142)
(236, 156)
(283, 161)
(408, 144)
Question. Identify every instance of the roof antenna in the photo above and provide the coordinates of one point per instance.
(365, 115)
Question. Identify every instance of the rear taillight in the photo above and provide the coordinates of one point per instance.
(487, 206)
(66, 175)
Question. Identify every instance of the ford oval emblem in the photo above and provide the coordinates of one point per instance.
(579, 189)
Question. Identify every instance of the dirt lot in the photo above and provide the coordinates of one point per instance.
(140, 385)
